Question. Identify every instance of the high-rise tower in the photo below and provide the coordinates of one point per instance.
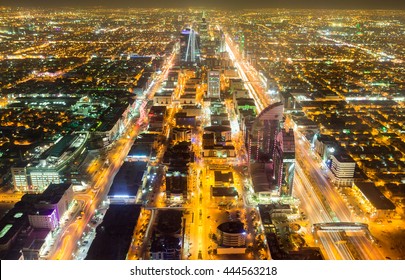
(272, 152)
(189, 46)
(214, 84)
(284, 162)
(264, 131)
(203, 31)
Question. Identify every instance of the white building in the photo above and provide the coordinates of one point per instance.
(231, 234)
(37, 176)
(342, 168)
(44, 218)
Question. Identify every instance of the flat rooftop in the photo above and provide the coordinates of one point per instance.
(128, 179)
(374, 195)
(114, 234)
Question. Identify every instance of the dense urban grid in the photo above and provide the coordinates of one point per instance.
(202, 134)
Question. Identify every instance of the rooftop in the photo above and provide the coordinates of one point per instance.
(232, 227)
(114, 234)
(128, 179)
(374, 195)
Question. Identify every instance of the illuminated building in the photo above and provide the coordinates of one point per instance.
(222, 134)
(166, 240)
(157, 116)
(237, 84)
(223, 178)
(231, 72)
(113, 122)
(218, 152)
(245, 108)
(188, 99)
(131, 178)
(172, 80)
(231, 234)
(166, 248)
(180, 134)
(144, 148)
(176, 186)
(183, 119)
(325, 145)
(44, 218)
(284, 161)
(213, 84)
(342, 167)
(12, 224)
(141, 152)
(261, 182)
(223, 195)
(189, 47)
(163, 98)
(264, 131)
(52, 164)
(118, 226)
(192, 110)
(26, 232)
(272, 154)
(36, 242)
(224, 190)
(203, 31)
(375, 203)
(218, 145)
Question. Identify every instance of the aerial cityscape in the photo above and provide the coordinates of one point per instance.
(202, 133)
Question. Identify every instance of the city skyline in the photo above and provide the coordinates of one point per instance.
(226, 4)
(196, 134)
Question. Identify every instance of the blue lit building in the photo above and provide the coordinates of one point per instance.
(189, 47)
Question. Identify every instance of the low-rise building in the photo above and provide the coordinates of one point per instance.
(176, 186)
(231, 234)
(219, 152)
(223, 178)
(44, 218)
(342, 167)
(163, 98)
(51, 166)
(188, 99)
(378, 206)
(166, 248)
(184, 120)
(222, 134)
(131, 177)
(180, 134)
(35, 244)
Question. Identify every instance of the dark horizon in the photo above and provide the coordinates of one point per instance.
(229, 4)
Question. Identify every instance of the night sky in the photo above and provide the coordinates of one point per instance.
(231, 4)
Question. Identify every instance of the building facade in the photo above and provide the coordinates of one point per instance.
(213, 84)
(189, 46)
(231, 234)
(342, 167)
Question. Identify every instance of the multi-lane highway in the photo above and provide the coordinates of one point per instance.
(247, 74)
(318, 196)
(324, 204)
(70, 234)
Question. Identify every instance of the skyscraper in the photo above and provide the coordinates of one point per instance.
(203, 31)
(189, 46)
(214, 84)
(284, 161)
(272, 152)
(264, 131)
